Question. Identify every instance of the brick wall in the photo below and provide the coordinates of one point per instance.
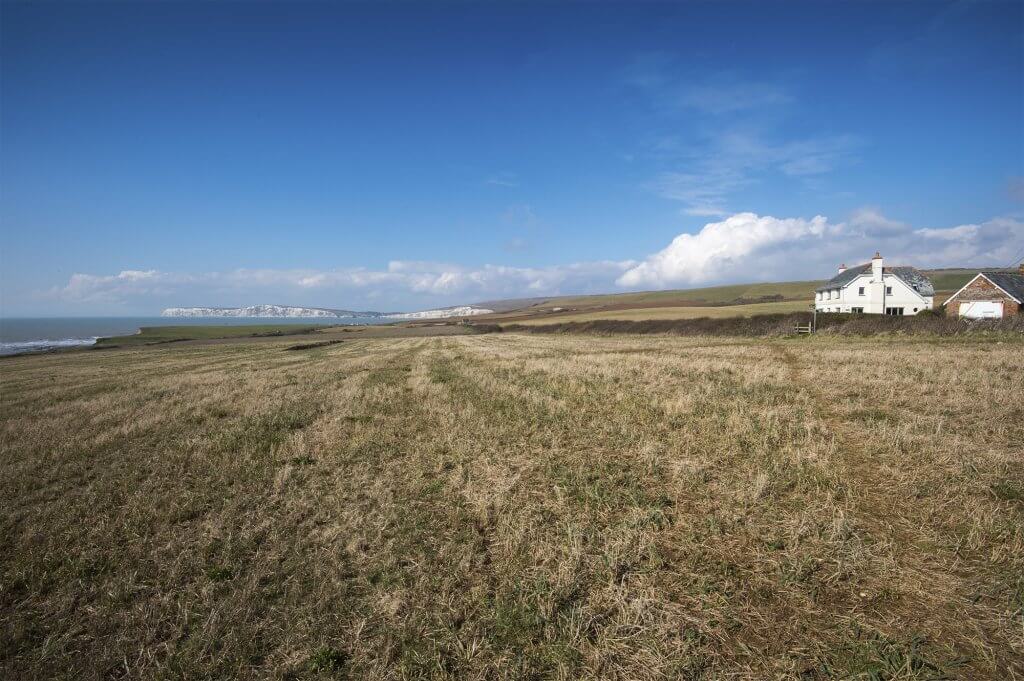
(981, 289)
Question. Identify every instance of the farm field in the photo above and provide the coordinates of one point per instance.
(684, 312)
(511, 506)
(708, 295)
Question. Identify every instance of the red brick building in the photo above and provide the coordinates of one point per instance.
(990, 295)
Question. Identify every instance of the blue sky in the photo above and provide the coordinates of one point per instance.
(403, 156)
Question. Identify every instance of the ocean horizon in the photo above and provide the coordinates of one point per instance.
(34, 334)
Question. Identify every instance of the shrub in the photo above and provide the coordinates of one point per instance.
(939, 312)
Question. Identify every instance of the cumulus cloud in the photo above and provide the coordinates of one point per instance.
(995, 242)
(749, 247)
(720, 250)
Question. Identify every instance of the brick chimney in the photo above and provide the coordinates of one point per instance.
(876, 267)
(1021, 268)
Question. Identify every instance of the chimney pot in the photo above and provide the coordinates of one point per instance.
(878, 256)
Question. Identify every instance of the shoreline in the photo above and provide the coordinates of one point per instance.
(78, 333)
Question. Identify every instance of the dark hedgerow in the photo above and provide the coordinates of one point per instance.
(783, 324)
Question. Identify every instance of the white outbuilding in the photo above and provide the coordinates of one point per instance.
(872, 288)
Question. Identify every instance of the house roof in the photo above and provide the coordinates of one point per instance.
(911, 277)
(1008, 281)
(845, 277)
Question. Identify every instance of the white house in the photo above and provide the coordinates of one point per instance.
(874, 289)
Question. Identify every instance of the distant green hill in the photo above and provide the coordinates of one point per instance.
(950, 280)
(715, 295)
(945, 281)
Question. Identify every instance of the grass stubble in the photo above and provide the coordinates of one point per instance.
(516, 506)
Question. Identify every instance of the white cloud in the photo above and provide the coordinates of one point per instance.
(432, 282)
(993, 243)
(748, 247)
(960, 233)
(109, 288)
(720, 250)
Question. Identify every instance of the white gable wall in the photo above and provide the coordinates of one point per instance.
(904, 296)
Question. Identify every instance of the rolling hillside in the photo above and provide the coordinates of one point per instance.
(715, 301)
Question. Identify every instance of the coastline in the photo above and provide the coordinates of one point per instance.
(25, 335)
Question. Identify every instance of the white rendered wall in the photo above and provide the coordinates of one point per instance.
(874, 300)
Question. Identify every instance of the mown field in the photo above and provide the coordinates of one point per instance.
(512, 506)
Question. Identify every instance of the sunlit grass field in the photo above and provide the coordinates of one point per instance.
(710, 295)
(515, 507)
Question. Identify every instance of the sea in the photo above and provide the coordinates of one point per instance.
(22, 334)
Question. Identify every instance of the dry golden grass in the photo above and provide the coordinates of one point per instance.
(511, 506)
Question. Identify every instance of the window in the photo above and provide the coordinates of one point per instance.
(860, 291)
(894, 311)
(888, 290)
(857, 310)
(915, 309)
